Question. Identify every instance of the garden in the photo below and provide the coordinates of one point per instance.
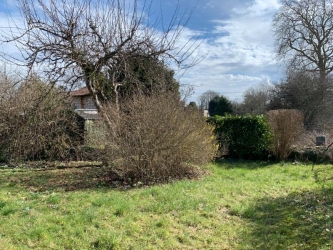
(237, 204)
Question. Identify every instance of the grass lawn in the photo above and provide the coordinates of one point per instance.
(240, 205)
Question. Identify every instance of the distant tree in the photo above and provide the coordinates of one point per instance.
(205, 98)
(237, 108)
(219, 105)
(256, 99)
(302, 91)
(304, 34)
(193, 105)
(275, 101)
(304, 40)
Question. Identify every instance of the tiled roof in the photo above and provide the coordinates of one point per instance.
(80, 92)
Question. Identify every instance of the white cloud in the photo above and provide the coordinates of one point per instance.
(258, 7)
(241, 51)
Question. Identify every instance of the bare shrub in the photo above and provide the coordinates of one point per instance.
(286, 126)
(156, 138)
(36, 123)
(308, 138)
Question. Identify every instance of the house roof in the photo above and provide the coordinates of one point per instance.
(80, 92)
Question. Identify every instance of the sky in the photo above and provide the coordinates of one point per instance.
(237, 44)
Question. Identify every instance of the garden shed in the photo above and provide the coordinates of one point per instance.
(84, 106)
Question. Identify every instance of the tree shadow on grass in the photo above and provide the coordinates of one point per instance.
(68, 179)
(302, 220)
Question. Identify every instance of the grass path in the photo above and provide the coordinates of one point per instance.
(240, 205)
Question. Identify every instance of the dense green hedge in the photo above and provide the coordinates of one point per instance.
(246, 137)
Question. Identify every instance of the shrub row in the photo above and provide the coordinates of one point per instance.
(246, 137)
(258, 137)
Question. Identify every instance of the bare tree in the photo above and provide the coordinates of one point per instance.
(93, 41)
(307, 92)
(205, 98)
(256, 99)
(303, 31)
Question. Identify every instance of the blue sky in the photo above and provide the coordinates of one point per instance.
(238, 43)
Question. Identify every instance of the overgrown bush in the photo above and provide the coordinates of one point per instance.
(286, 126)
(245, 137)
(308, 138)
(317, 155)
(155, 138)
(36, 123)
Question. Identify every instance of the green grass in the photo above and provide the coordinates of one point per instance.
(240, 205)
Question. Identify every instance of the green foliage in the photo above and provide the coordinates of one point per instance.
(147, 75)
(152, 76)
(193, 105)
(246, 137)
(219, 105)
